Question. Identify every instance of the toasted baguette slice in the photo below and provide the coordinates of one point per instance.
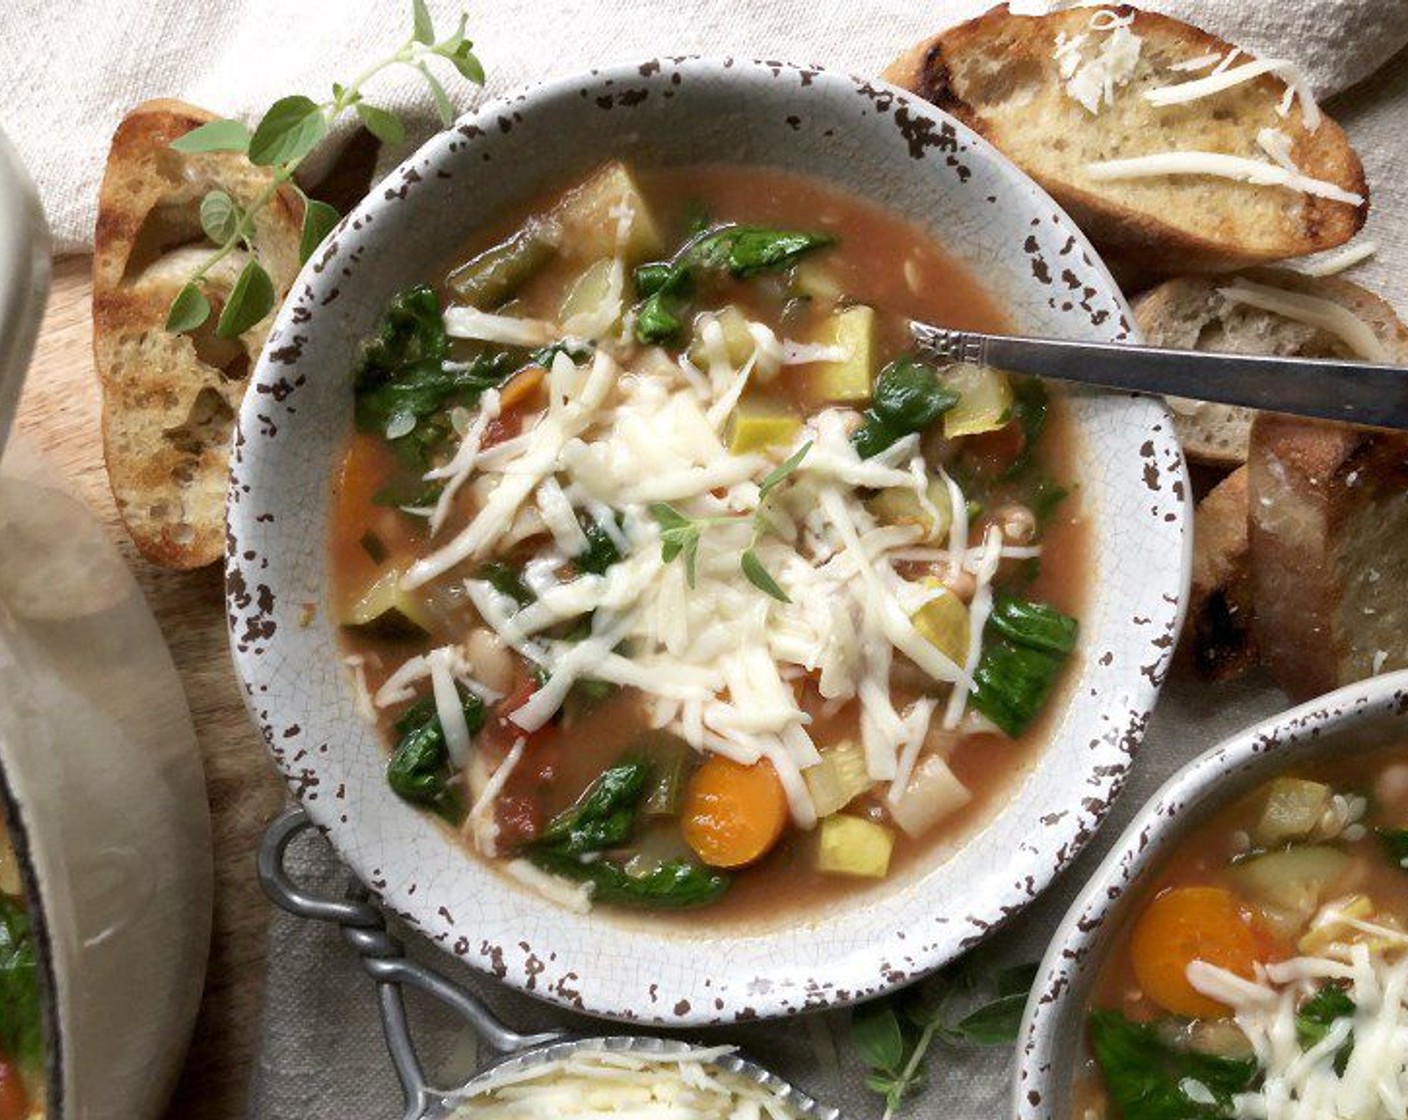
(998, 74)
(169, 401)
(1329, 544)
(1218, 637)
(1188, 313)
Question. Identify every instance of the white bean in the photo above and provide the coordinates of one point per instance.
(491, 660)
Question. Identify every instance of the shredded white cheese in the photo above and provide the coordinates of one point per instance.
(507, 330)
(1224, 79)
(1313, 311)
(1341, 260)
(576, 897)
(1218, 165)
(1092, 82)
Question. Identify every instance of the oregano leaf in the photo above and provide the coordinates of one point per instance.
(878, 1038)
(219, 216)
(995, 1023)
(467, 64)
(214, 136)
(422, 26)
(438, 95)
(381, 123)
(250, 300)
(318, 220)
(780, 472)
(188, 310)
(759, 576)
(291, 129)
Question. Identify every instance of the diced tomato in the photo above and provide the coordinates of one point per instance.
(519, 817)
(14, 1102)
(521, 396)
(989, 454)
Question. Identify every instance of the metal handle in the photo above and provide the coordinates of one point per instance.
(1325, 388)
(384, 960)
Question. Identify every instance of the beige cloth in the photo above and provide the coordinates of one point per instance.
(75, 67)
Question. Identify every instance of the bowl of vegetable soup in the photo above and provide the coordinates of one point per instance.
(643, 620)
(1243, 951)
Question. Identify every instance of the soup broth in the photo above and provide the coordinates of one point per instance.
(719, 650)
(1270, 949)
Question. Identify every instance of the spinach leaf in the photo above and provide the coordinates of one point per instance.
(601, 551)
(604, 816)
(1030, 407)
(1046, 498)
(674, 884)
(576, 350)
(20, 1037)
(745, 251)
(1318, 1014)
(1146, 1077)
(908, 398)
(506, 580)
(420, 771)
(404, 379)
(1034, 625)
(1395, 845)
(1026, 645)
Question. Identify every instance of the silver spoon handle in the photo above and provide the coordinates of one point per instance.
(1328, 389)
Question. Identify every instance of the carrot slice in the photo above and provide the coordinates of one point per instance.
(1184, 925)
(733, 814)
(522, 388)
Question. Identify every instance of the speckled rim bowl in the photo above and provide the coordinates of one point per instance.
(1373, 713)
(875, 142)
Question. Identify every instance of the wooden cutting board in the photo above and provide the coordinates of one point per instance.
(60, 410)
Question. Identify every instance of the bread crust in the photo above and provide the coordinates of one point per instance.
(1218, 638)
(1141, 234)
(169, 401)
(1319, 495)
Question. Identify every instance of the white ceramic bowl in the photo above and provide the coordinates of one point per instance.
(99, 770)
(1361, 717)
(872, 141)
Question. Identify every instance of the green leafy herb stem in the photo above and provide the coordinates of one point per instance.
(291, 128)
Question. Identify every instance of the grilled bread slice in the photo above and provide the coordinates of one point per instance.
(1192, 313)
(1000, 75)
(1329, 543)
(1218, 638)
(169, 401)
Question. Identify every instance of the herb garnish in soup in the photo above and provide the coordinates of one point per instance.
(672, 576)
(1266, 972)
(21, 1047)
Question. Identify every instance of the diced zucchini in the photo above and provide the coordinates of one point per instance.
(589, 295)
(669, 771)
(812, 279)
(496, 274)
(943, 623)
(738, 340)
(838, 779)
(900, 505)
(385, 606)
(850, 379)
(984, 401)
(934, 792)
(854, 846)
(758, 425)
(1293, 810)
(590, 227)
(1295, 879)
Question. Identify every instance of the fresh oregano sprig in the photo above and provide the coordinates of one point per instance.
(287, 133)
(680, 534)
(893, 1036)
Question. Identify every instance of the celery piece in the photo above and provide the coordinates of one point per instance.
(943, 623)
(900, 505)
(1292, 811)
(854, 846)
(590, 217)
(838, 779)
(589, 294)
(385, 606)
(1294, 879)
(493, 276)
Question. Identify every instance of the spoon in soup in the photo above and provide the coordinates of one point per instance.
(1355, 392)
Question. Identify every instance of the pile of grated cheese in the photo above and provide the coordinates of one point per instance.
(721, 663)
(1305, 1084)
(639, 1086)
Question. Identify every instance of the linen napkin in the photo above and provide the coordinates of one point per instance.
(75, 68)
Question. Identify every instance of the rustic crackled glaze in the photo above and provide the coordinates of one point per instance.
(867, 138)
(1370, 714)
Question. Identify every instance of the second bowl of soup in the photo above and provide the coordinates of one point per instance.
(652, 600)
